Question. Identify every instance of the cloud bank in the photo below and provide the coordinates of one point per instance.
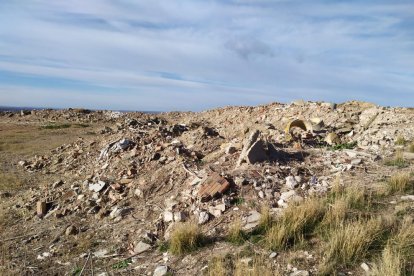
(194, 55)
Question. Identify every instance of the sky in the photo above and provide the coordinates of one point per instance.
(194, 55)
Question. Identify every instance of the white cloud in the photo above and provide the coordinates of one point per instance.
(242, 52)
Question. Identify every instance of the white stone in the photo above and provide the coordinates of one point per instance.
(273, 255)
(291, 182)
(203, 217)
(300, 273)
(179, 216)
(365, 267)
(97, 187)
(141, 247)
(287, 195)
(168, 216)
(161, 270)
(408, 198)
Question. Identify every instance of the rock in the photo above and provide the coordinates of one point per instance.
(71, 230)
(141, 247)
(118, 213)
(252, 220)
(253, 150)
(230, 149)
(261, 194)
(407, 198)
(41, 208)
(365, 267)
(291, 182)
(123, 144)
(317, 124)
(273, 255)
(256, 153)
(408, 155)
(203, 217)
(138, 192)
(356, 162)
(287, 195)
(168, 216)
(57, 184)
(97, 187)
(161, 270)
(332, 139)
(248, 261)
(221, 207)
(179, 216)
(300, 273)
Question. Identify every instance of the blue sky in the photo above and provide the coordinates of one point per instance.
(195, 55)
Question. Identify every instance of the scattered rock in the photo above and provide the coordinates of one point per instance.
(291, 182)
(161, 270)
(203, 217)
(71, 230)
(141, 247)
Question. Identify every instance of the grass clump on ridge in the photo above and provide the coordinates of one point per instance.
(185, 238)
(398, 160)
(399, 182)
(236, 235)
(398, 255)
(295, 222)
(350, 242)
(400, 141)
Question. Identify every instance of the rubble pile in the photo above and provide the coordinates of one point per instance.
(143, 173)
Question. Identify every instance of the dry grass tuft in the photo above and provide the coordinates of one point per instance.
(411, 147)
(266, 219)
(185, 238)
(344, 200)
(399, 182)
(236, 235)
(390, 264)
(397, 161)
(400, 141)
(296, 221)
(398, 252)
(217, 267)
(350, 242)
(337, 188)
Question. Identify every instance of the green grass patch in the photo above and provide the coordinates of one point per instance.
(122, 264)
(397, 161)
(56, 126)
(343, 146)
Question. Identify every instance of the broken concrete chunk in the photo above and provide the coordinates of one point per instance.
(214, 184)
(256, 153)
(304, 125)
